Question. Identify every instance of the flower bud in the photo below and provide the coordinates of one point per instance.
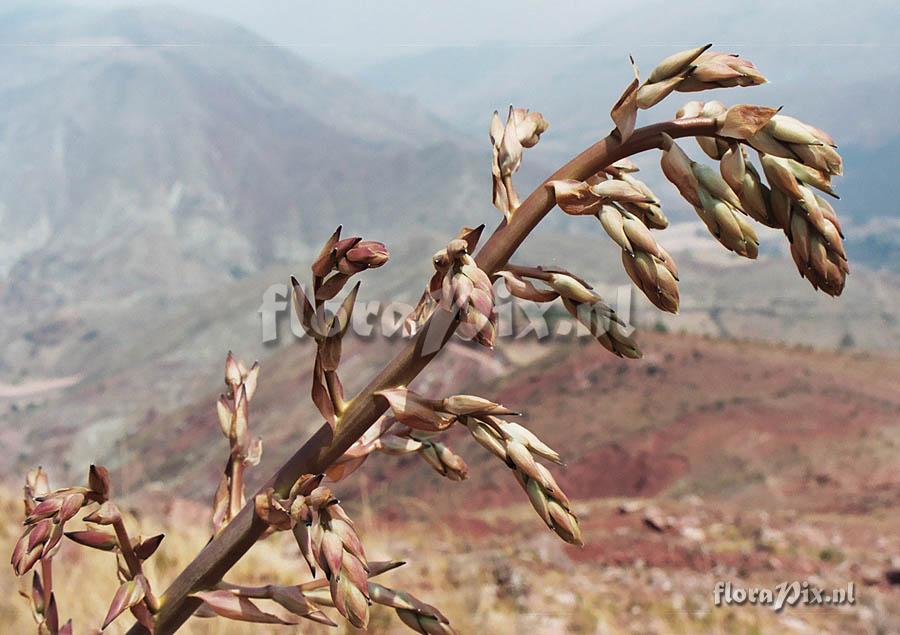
(472, 405)
(675, 64)
(94, 539)
(99, 482)
(713, 69)
(368, 254)
(107, 514)
(414, 410)
(128, 595)
(569, 287)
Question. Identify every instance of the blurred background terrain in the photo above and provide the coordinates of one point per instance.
(163, 166)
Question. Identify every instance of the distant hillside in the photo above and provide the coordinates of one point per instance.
(151, 194)
(835, 70)
(150, 154)
(737, 420)
(149, 404)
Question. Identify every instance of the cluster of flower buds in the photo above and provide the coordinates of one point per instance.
(649, 210)
(715, 202)
(47, 513)
(383, 437)
(342, 258)
(233, 409)
(795, 158)
(745, 181)
(523, 129)
(509, 441)
(417, 615)
(435, 415)
(39, 543)
(580, 301)
(337, 549)
(518, 448)
(687, 71)
(646, 262)
(462, 288)
(327, 538)
(789, 138)
(338, 260)
(809, 221)
(433, 293)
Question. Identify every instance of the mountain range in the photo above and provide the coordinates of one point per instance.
(162, 169)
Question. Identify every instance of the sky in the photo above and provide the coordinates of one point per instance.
(349, 35)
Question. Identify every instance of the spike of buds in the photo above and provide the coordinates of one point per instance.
(648, 210)
(338, 551)
(466, 290)
(713, 69)
(605, 326)
(714, 201)
(419, 616)
(647, 264)
(686, 71)
(789, 138)
(523, 129)
(517, 447)
(809, 222)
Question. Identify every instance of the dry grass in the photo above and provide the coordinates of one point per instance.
(491, 572)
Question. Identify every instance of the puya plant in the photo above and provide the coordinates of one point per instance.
(386, 416)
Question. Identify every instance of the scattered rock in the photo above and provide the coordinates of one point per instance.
(768, 539)
(655, 520)
(694, 534)
(892, 576)
(630, 506)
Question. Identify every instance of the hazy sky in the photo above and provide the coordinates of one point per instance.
(348, 35)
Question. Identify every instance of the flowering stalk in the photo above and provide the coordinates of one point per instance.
(460, 298)
(328, 444)
(233, 413)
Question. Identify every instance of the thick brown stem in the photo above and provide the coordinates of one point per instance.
(323, 448)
